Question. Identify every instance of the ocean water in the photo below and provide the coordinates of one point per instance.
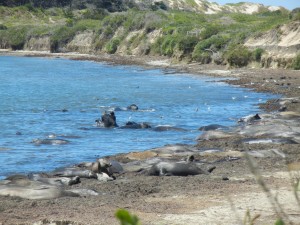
(46, 97)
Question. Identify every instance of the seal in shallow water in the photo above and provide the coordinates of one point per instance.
(134, 125)
(107, 120)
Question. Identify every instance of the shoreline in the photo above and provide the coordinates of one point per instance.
(154, 199)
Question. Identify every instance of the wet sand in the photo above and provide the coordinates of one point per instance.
(259, 185)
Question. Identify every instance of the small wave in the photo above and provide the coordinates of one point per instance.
(146, 110)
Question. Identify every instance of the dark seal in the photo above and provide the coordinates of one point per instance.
(177, 169)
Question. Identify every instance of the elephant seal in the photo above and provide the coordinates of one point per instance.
(107, 120)
(23, 187)
(249, 119)
(115, 167)
(74, 172)
(212, 127)
(107, 167)
(102, 166)
(177, 169)
(134, 125)
(133, 107)
(167, 128)
(58, 181)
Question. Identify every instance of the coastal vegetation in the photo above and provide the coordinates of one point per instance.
(124, 27)
(296, 63)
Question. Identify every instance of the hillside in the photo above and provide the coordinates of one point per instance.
(236, 35)
(210, 7)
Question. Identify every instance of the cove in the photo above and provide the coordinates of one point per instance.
(46, 97)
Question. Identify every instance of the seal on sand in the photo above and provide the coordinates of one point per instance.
(21, 186)
(177, 169)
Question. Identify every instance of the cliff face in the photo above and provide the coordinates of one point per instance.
(281, 45)
(38, 44)
(157, 30)
(82, 42)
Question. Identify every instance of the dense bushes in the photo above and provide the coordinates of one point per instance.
(209, 31)
(296, 63)
(204, 49)
(257, 53)
(112, 46)
(168, 45)
(295, 14)
(3, 27)
(186, 44)
(177, 34)
(238, 56)
(61, 35)
(14, 37)
(110, 5)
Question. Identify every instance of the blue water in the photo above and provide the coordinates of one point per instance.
(34, 92)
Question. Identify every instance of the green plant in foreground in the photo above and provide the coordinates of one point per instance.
(279, 222)
(250, 220)
(126, 218)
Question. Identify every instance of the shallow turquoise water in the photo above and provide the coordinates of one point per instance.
(34, 92)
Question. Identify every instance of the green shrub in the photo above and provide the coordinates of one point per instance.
(243, 18)
(69, 22)
(239, 56)
(204, 49)
(108, 32)
(30, 7)
(61, 36)
(296, 16)
(126, 218)
(210, 31)
(87, 24)
(114, 21)
(154, 20)
(134, 21)
(112, 46)
(95, 14)
(3, 27)
(17, 37)
(296, 63)
(257, 53)
(68, 13)
(203, 57)
(158, 5)
(168, 46)
(215, 42)
(186, 44)
(165, 45)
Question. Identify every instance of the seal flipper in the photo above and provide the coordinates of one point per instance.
(212, 168)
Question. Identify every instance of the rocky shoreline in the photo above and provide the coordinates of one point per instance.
(256, 165)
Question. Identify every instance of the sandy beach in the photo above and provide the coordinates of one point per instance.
(255, 179)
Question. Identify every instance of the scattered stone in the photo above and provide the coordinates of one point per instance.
(225, 178)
